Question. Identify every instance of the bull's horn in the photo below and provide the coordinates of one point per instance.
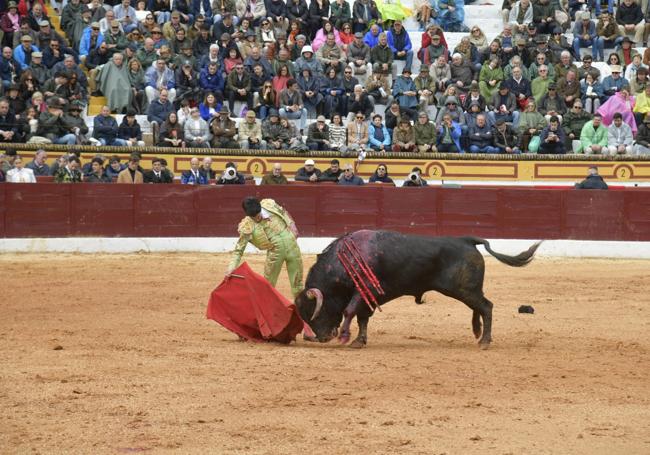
(318, 295)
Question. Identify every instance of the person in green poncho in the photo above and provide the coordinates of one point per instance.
(114, 83)
(490, 78)
(268, 226)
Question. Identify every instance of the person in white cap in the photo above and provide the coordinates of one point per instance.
(23, 53)
(91, 38)
(308, 173)
(46, 34)
(308, 60)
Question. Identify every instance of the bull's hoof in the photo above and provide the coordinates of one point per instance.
(358, 344)
(477, 332)
(484, 346)
(309, 338)
(344, 339)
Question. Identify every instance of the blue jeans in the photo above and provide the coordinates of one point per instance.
(486, 149)
(597, 47)
(510, 118)
(610, 7)
(302, 115)
(615, 43)
(129, 28)
(207, 9)
(217, 18)
(263, 112)
(164, 16)
(68, 139)
(408, 58)
(117, 141)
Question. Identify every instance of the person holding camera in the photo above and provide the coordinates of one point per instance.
(553, 138)
(415, 178)
(449, 134)
(231, 176)
(268, 226)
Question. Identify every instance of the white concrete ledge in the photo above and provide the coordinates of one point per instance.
(313, 245)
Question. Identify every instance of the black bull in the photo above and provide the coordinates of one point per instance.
(404, 265)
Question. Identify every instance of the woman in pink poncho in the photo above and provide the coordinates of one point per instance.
(621, 102)
(321, 36)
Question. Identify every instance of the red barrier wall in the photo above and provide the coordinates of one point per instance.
(54, 210)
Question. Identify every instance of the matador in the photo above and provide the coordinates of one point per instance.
(268, 226)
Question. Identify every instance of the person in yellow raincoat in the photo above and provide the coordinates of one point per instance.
(393, 10)
(268, 226)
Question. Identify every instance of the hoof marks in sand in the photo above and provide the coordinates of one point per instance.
(356, 344)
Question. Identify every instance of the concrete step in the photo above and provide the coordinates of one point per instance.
(97, 101)
(147, 134)
(95, 104)
(94, 110)
(55, 19)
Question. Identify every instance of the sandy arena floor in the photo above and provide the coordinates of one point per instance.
(113, 354)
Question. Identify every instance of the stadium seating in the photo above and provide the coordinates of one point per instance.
(482, 13)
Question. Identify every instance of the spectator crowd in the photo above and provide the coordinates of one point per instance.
(284, 74)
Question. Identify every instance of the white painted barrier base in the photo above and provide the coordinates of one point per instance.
(308, 245)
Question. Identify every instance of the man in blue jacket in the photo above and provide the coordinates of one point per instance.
(91, 38)
(449, 136)
(480, 137)
(211, 80)
(23, 52)
(194, 175)
(372, 36)
(400, 44)
(105, 128)
(160, 108)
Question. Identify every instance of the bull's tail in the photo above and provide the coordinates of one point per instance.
(519, 260)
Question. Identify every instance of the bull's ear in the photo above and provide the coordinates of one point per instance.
(310, 295)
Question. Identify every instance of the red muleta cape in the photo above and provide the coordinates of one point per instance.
(253, 309)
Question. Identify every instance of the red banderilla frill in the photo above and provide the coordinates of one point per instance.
(364, 266)
(360, 272)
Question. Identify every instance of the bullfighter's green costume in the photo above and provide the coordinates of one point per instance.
(275, 233)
